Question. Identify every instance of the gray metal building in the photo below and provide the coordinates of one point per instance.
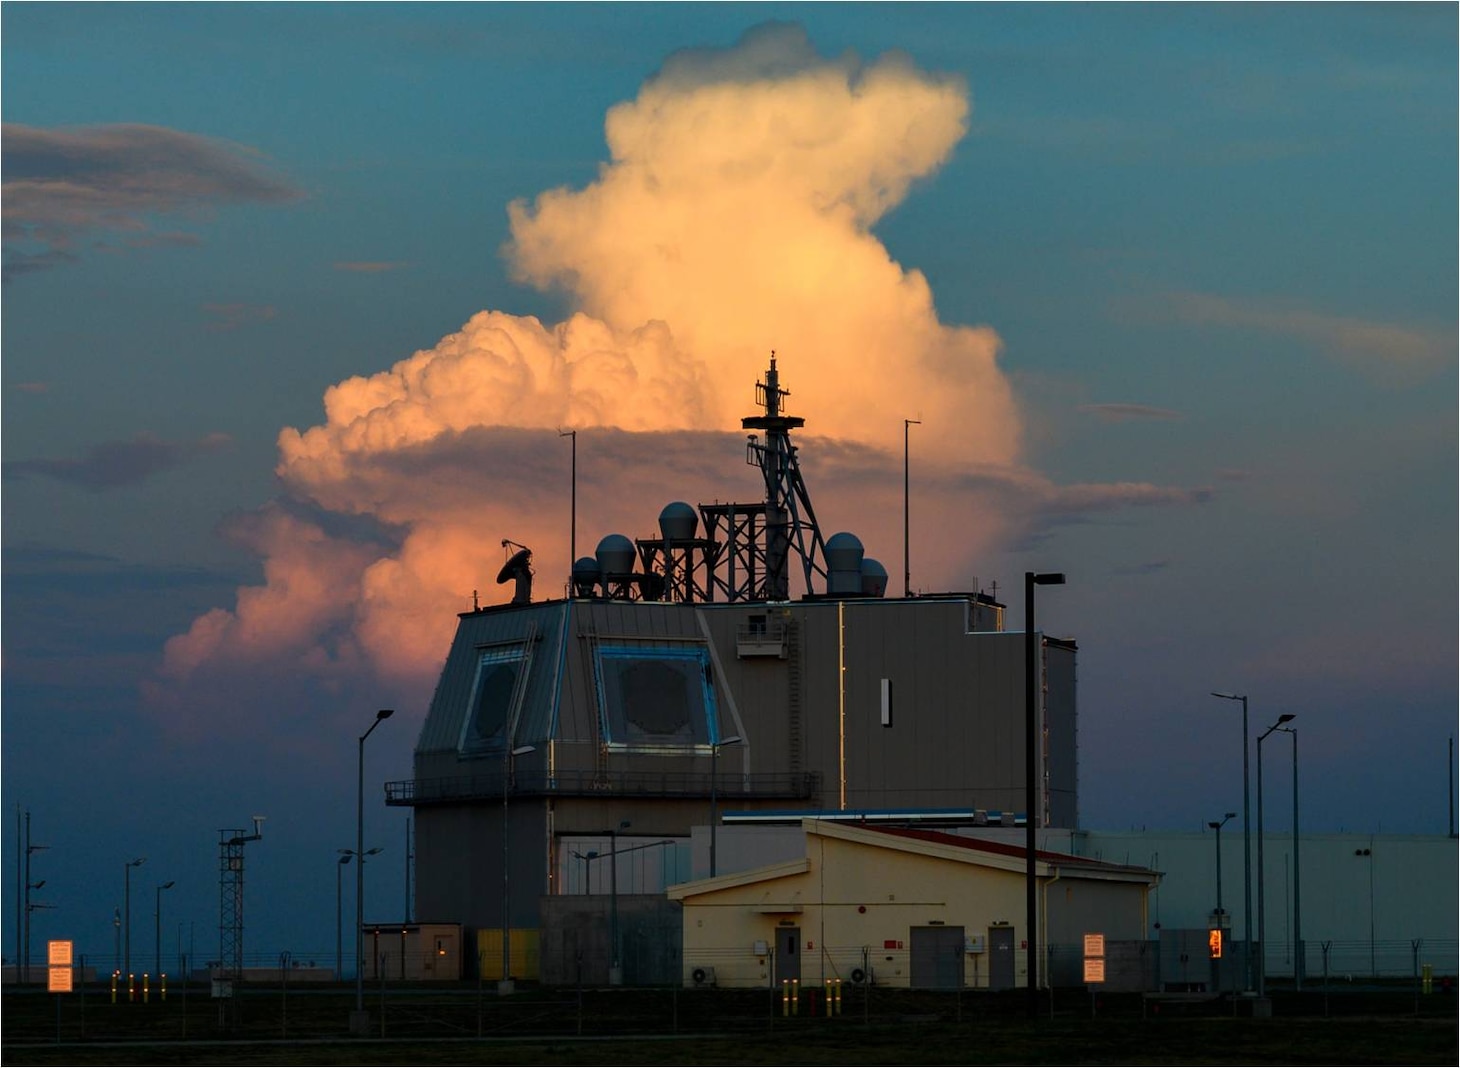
(572, 720)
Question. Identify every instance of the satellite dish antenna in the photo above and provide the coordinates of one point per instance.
(519, 568)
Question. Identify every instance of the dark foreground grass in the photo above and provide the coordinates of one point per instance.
(727, 1028)
(1187, 1042)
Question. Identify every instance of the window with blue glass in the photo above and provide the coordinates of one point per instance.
(500, 674)
(656, 698)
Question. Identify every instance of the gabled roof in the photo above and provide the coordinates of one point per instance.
(956, 848)
(994, 854)
(739, 878)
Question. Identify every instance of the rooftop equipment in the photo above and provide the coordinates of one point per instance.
(518, 568)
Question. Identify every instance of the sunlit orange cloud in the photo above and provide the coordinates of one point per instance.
(732, 218)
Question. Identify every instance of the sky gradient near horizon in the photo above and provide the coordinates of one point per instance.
(299, 297)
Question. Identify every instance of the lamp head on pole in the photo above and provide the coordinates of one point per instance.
(383, 714)
(137, 863)
(1286, 717)
(167, 885)
(1230, 696)
(1048, 578)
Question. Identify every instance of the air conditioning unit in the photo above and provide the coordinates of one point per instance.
(859, 976)
(703, 975)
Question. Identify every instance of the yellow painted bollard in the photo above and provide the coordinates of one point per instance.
(795, 997)
(1427, 978)
(131, 987)
(146, 988)
(114, 986)
(163, 980)
(785, 997)
(833, 997)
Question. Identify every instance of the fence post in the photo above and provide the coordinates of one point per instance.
(1414, 944)
(1327, 945)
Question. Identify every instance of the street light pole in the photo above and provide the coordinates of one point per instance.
(29, 886)
(1298, 956)
(906, 552)
(734, 739)
(1221, 914)
(505, 985)
(360, 1020)
(1246, 837)
(615, 971)
(1031, 770)
(1261, 872)
(1217, 826)
(127, 913)
(573, 514)
(340, 917)
(157, 934)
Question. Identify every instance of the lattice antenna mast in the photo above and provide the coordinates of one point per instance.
(790, 521)
(230, 897)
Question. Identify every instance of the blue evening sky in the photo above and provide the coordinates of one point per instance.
(1218, 242)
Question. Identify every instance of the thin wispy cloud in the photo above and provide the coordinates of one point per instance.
(1394, 352)
(31, 387)
(109, 185)
(113, 464)
(1125, 413)
(1150, 567)
(370, 266)
(226, 317)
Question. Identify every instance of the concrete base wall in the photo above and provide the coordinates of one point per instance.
(576, 944)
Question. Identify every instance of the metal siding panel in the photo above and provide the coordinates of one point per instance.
(1061, 715)
(452, 699)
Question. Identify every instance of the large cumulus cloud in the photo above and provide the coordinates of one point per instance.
(733, 216)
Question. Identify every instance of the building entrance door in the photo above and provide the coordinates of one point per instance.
(788, 954)
(1001, 958)
(937, 958)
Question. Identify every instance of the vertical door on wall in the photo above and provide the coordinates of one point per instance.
(1001, 958)
(937, 957)
(788, 954)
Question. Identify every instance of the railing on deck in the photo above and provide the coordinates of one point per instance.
(588, 783)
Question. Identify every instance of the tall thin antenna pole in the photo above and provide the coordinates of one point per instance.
(20, 881)
(573, 515)
(906, 552)
(1450, 768)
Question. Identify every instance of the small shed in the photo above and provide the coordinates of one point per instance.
(901, 907)
(412, 951)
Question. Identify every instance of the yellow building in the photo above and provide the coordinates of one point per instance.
(900, 907)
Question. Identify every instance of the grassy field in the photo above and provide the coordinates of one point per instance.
(660, 1027)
